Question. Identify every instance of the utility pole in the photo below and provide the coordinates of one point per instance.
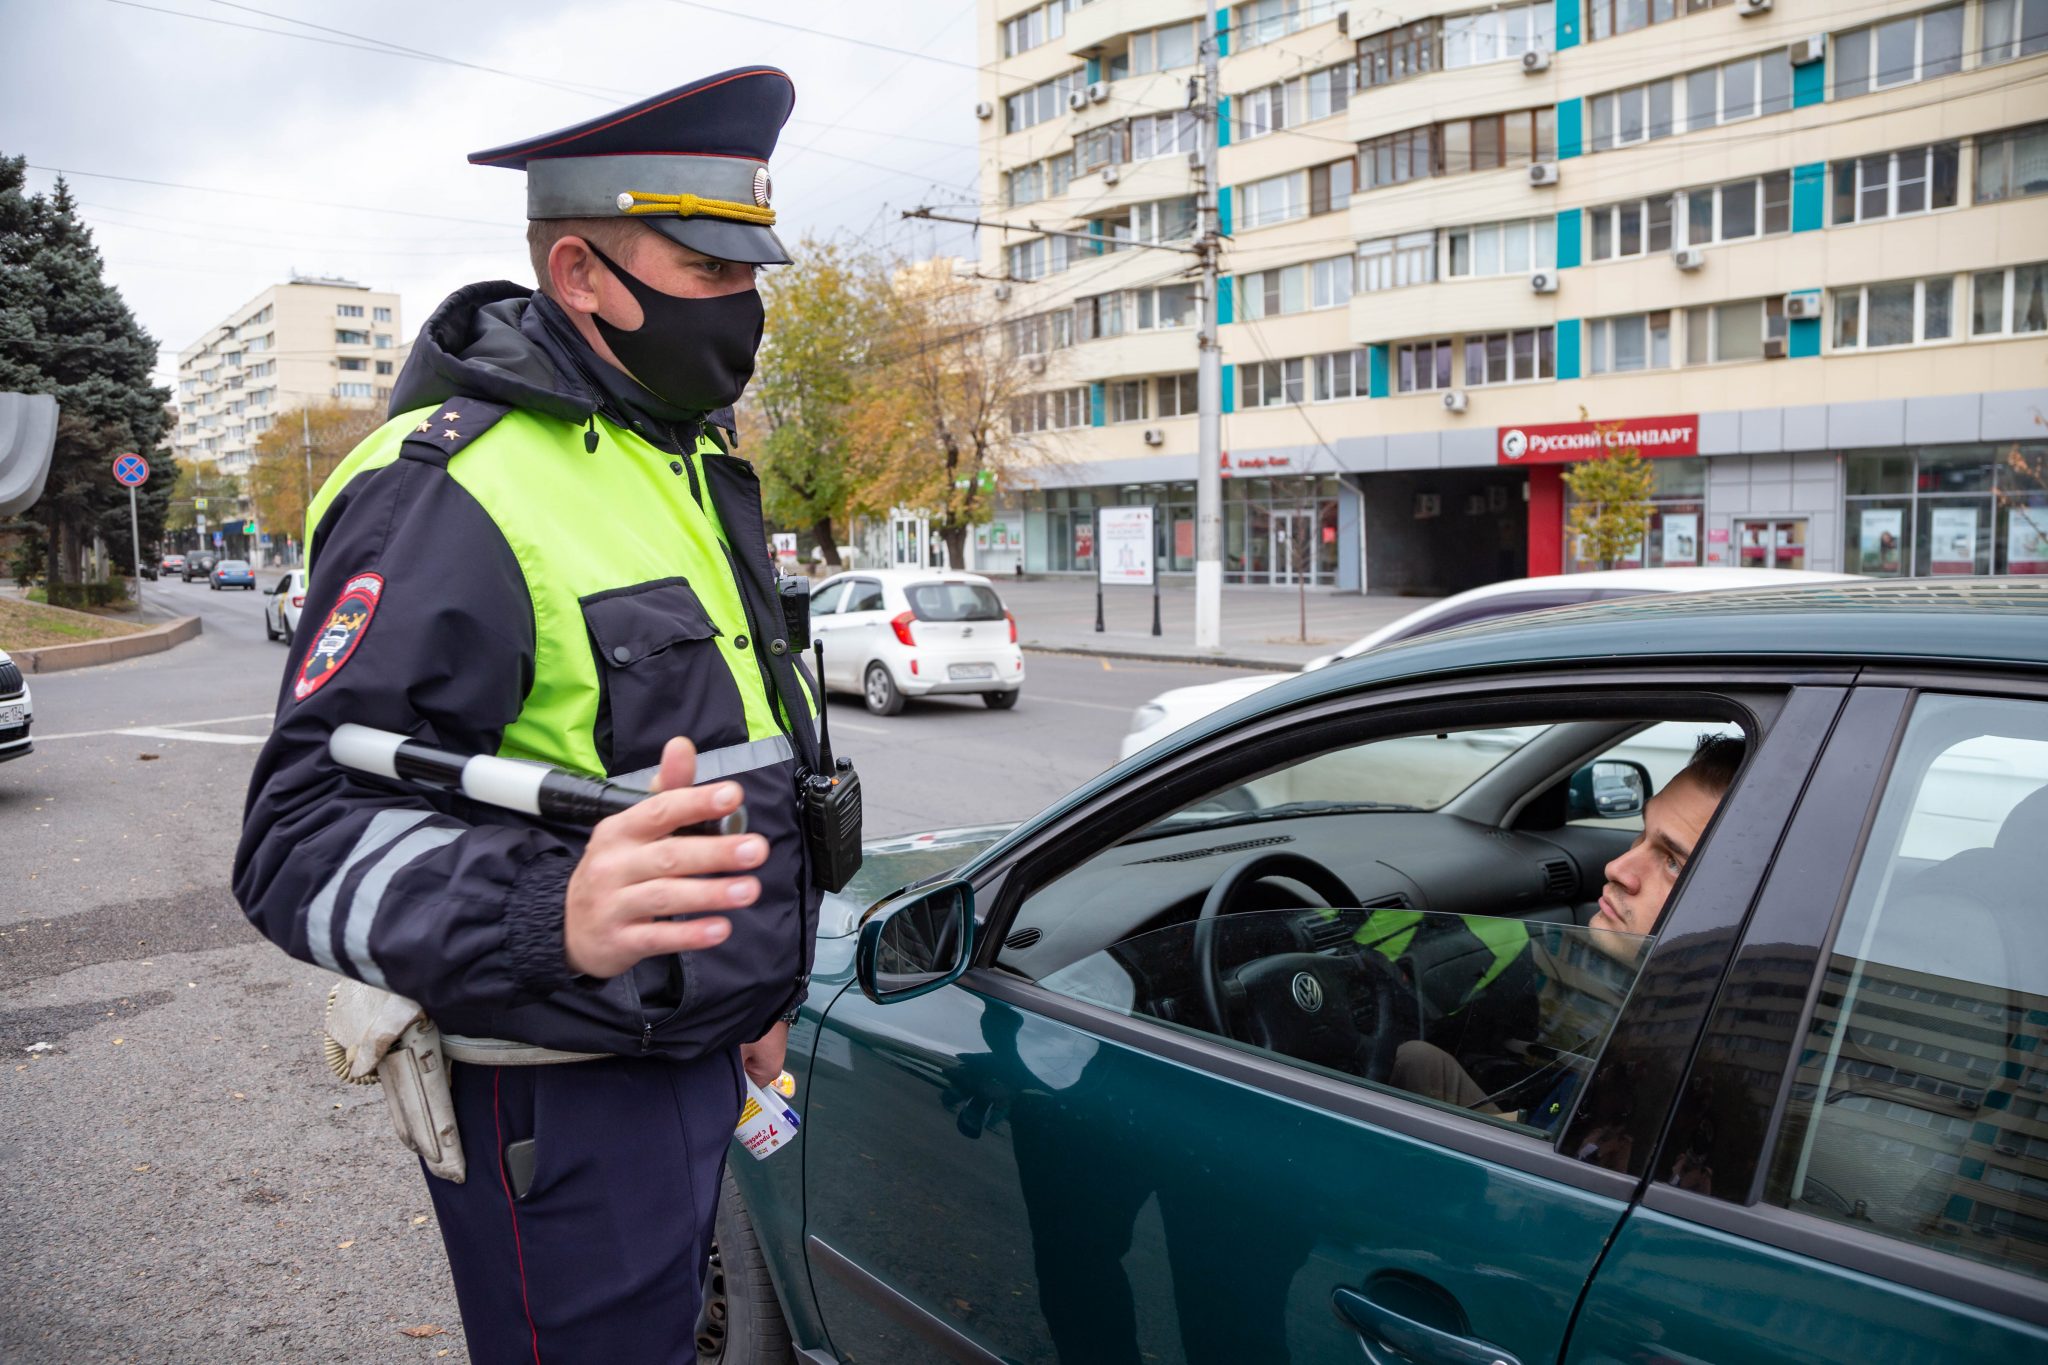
(306, 438)
(1209, 372)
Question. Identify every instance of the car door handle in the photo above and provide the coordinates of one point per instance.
(1390, 1338)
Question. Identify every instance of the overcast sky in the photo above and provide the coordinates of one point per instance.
(173, 91)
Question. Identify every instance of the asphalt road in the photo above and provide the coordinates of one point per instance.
(185, 1182)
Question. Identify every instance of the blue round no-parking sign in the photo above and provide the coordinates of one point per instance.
(130, 471)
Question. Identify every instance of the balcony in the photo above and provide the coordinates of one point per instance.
(1097, 30)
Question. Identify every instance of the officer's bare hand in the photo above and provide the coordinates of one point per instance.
(763, 1058)
(635, 871)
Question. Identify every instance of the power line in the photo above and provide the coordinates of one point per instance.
(256, 194)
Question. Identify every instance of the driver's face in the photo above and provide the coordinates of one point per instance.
(1640, 880)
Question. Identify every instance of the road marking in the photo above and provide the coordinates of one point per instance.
(858, 727)
(173, 725)
(204, 736)
(1069, 701)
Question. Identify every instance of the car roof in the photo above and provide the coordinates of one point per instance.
(904, 578)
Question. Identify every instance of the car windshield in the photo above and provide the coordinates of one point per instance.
(954, 602)
(234, 566)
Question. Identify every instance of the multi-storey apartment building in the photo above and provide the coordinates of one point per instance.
(304, 342)
(1795, 252)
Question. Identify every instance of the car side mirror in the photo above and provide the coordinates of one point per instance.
(915, 943)
(1608, 789)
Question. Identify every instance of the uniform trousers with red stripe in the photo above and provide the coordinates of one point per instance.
(602, 1259)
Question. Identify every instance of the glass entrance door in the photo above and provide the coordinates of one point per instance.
(1293, 548)
(1771, 543)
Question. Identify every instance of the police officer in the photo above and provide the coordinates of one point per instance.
(549, 552)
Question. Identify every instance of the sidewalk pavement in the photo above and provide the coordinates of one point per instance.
(1261, 627)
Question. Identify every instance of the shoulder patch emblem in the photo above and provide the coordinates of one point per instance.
(340, 635)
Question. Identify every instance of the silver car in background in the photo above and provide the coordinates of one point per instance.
(891, 634)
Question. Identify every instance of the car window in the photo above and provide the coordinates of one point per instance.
(954, 602)
(1504, 604)
(865, 594)
(826, 599)
(1331, 913)
(1920, 1106)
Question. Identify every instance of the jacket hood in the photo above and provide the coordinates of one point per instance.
(506, 343)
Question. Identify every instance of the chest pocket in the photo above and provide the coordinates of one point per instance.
(660, 673)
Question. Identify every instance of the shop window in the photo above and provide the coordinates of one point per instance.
(2012, 165)
(1511, 248)
(1397, 262)
(2009, 302)
(1898, 52)
(1640, 226)
(2014, 29)
(1510, 357)
(1947, 510)
(1899, 313)
(1422, 366)
(1637, 341)
(1895, 184)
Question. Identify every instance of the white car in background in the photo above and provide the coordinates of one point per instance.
(1169, 711)
(281, 607)
(17, 710)
(890, 634)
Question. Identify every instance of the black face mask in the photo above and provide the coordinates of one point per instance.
(695, 354)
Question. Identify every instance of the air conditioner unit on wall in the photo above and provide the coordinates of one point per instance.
(1035, 364)
(1535, 60)
(1455, 400)
(1754, 6)
(1098, 91)
(1077, 100)
(1002, 293)
(1344, 21)
(1807, 51)
(1688, 258)
(1110, 175)
(1803, 304)
(1774, 348)
(1154, 436)
(1543, 173)
(1543, 282)
(983, 109)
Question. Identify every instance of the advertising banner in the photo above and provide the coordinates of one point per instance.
(1952, 540)
(1126, 557)
(1570, 442)
(1879, 537)
(2026, 540)
(1681, 538)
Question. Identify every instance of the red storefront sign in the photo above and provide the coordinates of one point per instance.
(1570, 442)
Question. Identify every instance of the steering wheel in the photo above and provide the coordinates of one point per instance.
(1299, 1004)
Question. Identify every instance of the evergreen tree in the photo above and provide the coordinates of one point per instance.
(65, 331)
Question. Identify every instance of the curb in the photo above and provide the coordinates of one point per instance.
(87, 653)
(1211, 660)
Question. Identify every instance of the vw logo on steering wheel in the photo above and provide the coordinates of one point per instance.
(1308, 992)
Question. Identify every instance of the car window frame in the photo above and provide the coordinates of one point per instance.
(843, 584)
(1802, 912)
(1761, 700)
(846, 607)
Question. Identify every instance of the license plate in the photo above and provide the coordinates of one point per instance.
(11, 716)
(970, 672)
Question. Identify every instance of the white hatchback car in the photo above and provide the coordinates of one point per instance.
(1169, 711)
(281, 607)
(896, 633)
(17, 710)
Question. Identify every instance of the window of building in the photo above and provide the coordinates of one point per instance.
(380, 315)
(1163, 49)
(1511, 357)
(1041, 256)
(1612, 18)
(1166, 306)
(344, 338)
(1733, 331)
(1458, 146)
(1636, 341)
(1897, 313)
(1041, 332)
(1339, 374)
(1026, 184)
(1176, 394)
(348, 310)
(1037, 25)
(1330, 186)
(1051, 411)
(1622, 118)
(1897, 52)
(1396, 262)
(383, 367)
(1261, 111)
(1396, 158)
(1329, 90)
(2009, 302)
(1100, 315)
(1042, 102)
(1511, 248)
(1280, 199)
(1127, 400)
(1951, 509)
(1296, 288)
(1616, 231)
(1746, 88)
(1174, 134)
(347, 363)
(2012, 165)
(1396, 54)
(2014, 29)
(352, 390)
(1894, 184)
(1162, 220)
(1739, 209)
(1265, 21)
(1497, 35)
(1108, 145)
(1270, 383)
(1420, 366)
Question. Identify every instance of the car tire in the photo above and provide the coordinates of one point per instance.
(269, 631)
(880, 692)
(1002, 701)
(740, 1321)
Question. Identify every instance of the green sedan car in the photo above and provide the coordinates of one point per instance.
(1652, 981)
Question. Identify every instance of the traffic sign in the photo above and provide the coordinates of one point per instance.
(219, 539)
(130, 470)
(199, 504)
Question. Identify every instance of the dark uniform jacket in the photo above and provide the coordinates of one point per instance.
(457, 905)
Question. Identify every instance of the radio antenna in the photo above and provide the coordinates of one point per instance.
(824, 705)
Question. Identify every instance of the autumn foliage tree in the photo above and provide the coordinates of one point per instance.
(277, 481)
(1610, 513)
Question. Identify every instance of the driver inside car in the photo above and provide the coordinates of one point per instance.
(1505, 1045)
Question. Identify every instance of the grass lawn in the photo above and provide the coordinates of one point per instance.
(31, 625)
